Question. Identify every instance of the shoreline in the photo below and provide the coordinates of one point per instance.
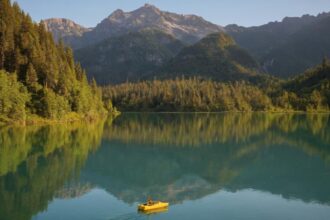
(71, 118)
(36, 120)
(219, 112)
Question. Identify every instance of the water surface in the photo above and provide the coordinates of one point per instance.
(208, 166)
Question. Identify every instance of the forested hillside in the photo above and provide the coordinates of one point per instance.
(129, 57)
(310, 90)
(307, 92)
(39, 79)
(153, 54)
(215, 57)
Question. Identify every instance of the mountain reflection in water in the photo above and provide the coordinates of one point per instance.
(173, 157)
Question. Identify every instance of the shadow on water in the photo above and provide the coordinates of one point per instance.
(173, 157)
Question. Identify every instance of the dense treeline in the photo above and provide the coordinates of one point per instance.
(39, 77)
(187, 95)
(307, 92)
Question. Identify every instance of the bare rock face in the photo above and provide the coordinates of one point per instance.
(62, 28)
(187, 28)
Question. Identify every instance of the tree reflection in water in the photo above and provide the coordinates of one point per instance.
(175, 157)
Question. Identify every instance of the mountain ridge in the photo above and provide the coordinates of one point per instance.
(186, 28)
(278, 46)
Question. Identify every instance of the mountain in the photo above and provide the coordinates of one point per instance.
(187, 28)
(64, 28)
(281, 47)
(128, 57)
(216, 56)
(260, 39)
(304, 49)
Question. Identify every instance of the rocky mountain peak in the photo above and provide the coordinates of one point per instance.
(187, 28)
(62, 27)
(115, 16)
(150, 6)
(116, 13)
(59, 22)
(148, 11)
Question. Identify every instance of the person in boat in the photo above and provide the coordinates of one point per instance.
(150, 202)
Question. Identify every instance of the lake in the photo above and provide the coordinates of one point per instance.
(208, 166)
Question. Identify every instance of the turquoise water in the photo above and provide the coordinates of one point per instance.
(208, 166)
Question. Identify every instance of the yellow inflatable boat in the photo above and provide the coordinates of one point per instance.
(154, 211)
(153, 205)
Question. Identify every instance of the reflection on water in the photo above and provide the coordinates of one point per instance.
(38, 161)
(201, 129)
(175, 157)
(187, 156)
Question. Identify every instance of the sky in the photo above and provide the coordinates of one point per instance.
(222, 12)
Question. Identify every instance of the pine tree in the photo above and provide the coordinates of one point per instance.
(325, 62)
(2, 48)
(31, 76)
